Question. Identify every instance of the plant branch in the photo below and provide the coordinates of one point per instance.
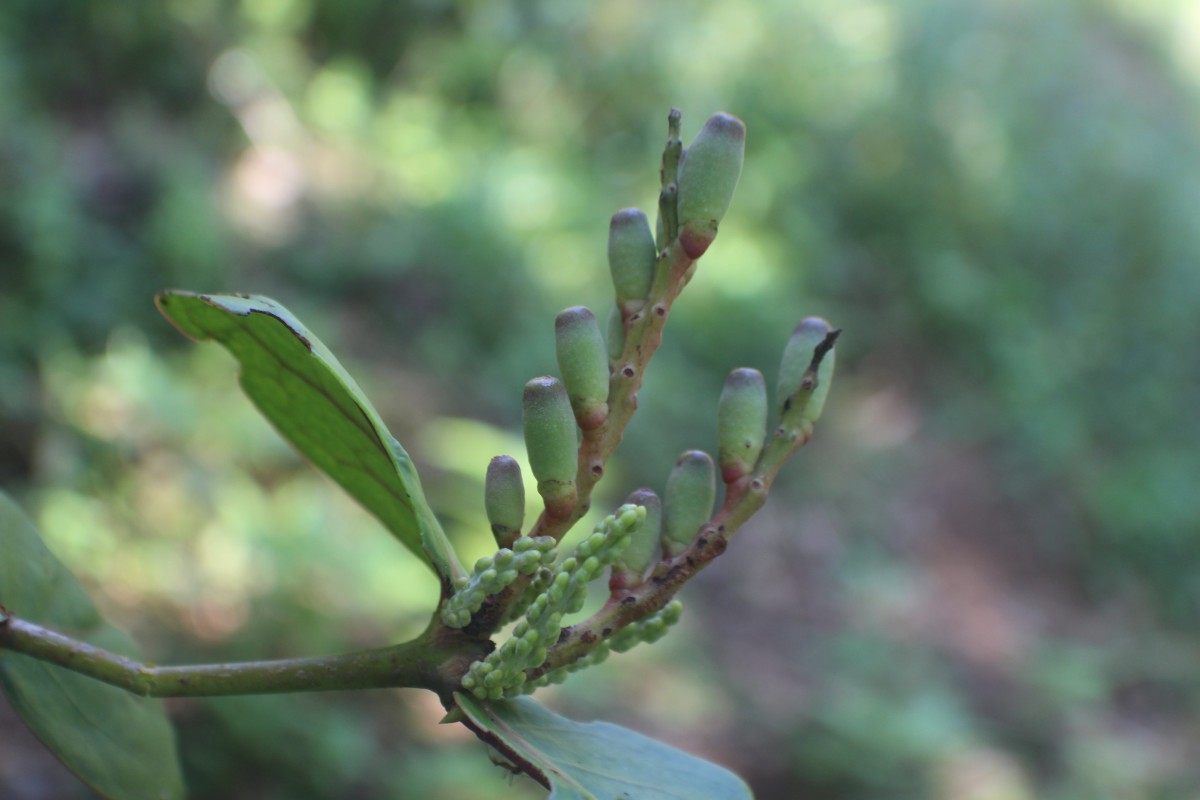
(743, 498)
(643, 335)
(434, 660)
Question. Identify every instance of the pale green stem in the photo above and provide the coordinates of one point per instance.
(435, 661)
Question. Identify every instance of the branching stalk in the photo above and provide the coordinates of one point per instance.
(743, 498)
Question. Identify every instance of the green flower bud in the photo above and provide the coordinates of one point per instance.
(741, 423)
(564, 594)
(688, 500)
(631, 565)
(631, 257)
(504, 499)
(550, 438)
(583, 362)
(650, 629)
(616, 335)
(798, 386)
(492, 574)
(708, 174)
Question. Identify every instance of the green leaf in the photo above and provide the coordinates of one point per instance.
(314, 403)
(599, 760)
(121, 745)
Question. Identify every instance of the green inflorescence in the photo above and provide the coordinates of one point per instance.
(648, 630)
(493, 573)
(502, 673)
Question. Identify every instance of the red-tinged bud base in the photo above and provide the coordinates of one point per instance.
(590, 416)
(622, 580)
(559, 496)
(734, 471)
(695, 237)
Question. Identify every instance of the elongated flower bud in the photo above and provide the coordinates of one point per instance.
(504, 499)
(708, 175)
(741, 423)
(616, 334)
(631, 257)
(688, 500)
(550, 438)
(583, 362)
(793, 390)
(631, 565)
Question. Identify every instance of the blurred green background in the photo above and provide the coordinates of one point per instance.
(980, 582)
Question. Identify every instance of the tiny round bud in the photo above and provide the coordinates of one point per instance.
(550, 438)
(708, 174)
(504, 499)
(688, 500)
(741, 423)
(631, 257)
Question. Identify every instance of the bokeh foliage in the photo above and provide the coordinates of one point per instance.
(982, 573)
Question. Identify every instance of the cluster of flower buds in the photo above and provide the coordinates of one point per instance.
(648, 630)
(493, 573)
(503, 672)
(587, 407)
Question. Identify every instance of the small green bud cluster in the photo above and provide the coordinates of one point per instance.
(493, 573)
(502, 673)
(648, 630)
(541, 581)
